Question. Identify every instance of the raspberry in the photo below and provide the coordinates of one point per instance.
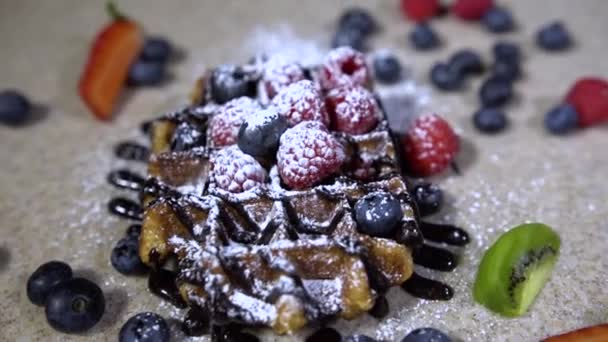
(420, 10)
(472, 9)
(225, 124)
(307, 154)
(343, 66)
(352, 109)
(301, 101)
(279, 73)
(236, 171)
(429, 145)
(590, 98)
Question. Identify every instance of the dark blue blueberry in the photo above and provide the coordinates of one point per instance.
(387, 68)
(134, 231)
(423, 37)
(48, 275)
(490, 120)
(125, 257)
(553, 37)
(466, 62)
(348, 37)
(504, 70)
(259, 134)
(358, 19)
(145, 327)
(359, 338)
(156, 49)
(506, 51)
(495, 92)
(378, 214)
(426, 335)
(446, 78)
(229, 82)
(144, 73)
(498, 20)
(186, 137)
(75, 305)
(428, 197)
(561, 119)
(14, 107)
(325, 335)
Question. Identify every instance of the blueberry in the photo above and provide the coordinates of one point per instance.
(229, 82)
(426, 335)
(490, 120)
(14, 108)
(359, 338)
(186, 137)
(134, 231)
(387, 68)
(325, 335)
(144, 73)
(49, 274)
(358, 19)
(75, 305)
(428, 197)
(125, 257)
(498, 20)
(156, 49)
(423, 37)
(445, 78)
(561, 119)
(348, 37)
(553, 37)
(466, 62)
(506, 51)
(504, 70)
(259, 134)
(145, 327)
(495, 92)
(378, 214)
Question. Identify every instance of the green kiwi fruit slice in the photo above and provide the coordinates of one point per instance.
(514, 270)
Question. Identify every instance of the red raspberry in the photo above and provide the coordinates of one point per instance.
(301, 101)
(307, 154)
(590, 98)
(472, 9)
(352, 109)
(420, 10)
(429, 145)
(235, 171)
(279, 73)
(343, 66)
(225, 124)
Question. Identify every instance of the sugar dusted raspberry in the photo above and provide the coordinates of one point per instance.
(420, 10)
(224, 126)
(301, 101)
(589, 96)
(352, 109)
(343, 66)
(472, 9)
(279, 73)
(307, 154)
(236, 171)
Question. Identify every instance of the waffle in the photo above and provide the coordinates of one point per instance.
(271, 256)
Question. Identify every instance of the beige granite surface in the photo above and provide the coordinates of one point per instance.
(53, 192)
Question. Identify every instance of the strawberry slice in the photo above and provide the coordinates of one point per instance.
(113, 51)
(598, 333)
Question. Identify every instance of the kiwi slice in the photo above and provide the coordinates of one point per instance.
(515, 269)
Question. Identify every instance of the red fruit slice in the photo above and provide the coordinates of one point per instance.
(112, 53)
(420, 10)
(598, 333)
(472, 9)
(590, 98)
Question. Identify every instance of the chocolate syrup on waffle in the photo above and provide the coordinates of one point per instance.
(126, 208)
(444, 233)
(162, 283)
(130, 150)
(425, 288)
(196, 322)
(434, 258)
(126, 179)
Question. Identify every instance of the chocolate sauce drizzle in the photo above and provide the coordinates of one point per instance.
(126, 208)
(435, 258)
(126, 179)
(444, 233)
(426, 288)
(130, 150)
(163, 283)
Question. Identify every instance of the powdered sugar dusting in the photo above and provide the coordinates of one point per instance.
(236, 171)
(301, 101)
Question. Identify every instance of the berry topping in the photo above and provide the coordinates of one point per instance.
(426, 335)
(225, 125)
(498, 20)
(589, 96)
(495, 92)
(472, 9)
(466, 62)
(343, 66)
(125, 257)
(14, 107)
(75, 305)
(348, 37)
(307, 154)
(279, 73)
(506, 70)
(423, 37)
(260, 133)
(358, 19)
(378, 214)
(229, 82)
(352, 109)
(553, 37)
(444, 77)
(420, 10)
(325, 335)
(144, 73)
(428, 197)
(301, 101)
(561, 119)
(42, 281)
(490, 120)
(387, 68)
(236, 171)
(429, 145)
(145, 326)
(186, 137)
(156, 49)
(506, 51)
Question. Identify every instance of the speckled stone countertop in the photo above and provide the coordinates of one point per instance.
(53, 190)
